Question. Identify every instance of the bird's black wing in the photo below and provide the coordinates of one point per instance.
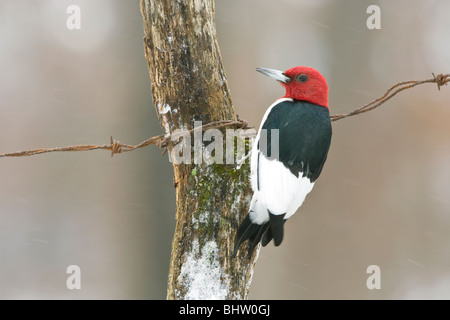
(304, 136)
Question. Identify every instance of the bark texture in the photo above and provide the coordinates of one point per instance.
(189, 84)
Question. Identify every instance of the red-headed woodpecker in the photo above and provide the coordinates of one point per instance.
(280, 184)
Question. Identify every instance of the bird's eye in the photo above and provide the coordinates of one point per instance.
(302, 78)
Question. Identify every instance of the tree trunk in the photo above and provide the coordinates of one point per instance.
(189, 84)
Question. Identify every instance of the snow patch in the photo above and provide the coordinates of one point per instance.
(198, 5)
(164, 108)
(201, 273)
(202, 219)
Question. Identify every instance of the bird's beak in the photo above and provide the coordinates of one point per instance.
(274, 74)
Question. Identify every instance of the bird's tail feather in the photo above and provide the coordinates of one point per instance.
(248, 231)
(276, 230)
(267, 237)
(256, 237)
(273, 229)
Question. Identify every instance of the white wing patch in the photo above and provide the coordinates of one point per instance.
(280, 191)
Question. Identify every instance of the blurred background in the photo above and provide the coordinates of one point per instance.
(383, 197)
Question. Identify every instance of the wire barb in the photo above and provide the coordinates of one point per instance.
(441, 80)
(115, 147)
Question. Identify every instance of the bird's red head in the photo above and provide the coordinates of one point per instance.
(301, 83)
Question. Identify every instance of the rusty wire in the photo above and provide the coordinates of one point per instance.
(162, 141)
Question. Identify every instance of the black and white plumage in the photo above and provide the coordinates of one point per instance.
(280, 184)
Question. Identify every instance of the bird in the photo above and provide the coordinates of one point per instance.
(287, 155)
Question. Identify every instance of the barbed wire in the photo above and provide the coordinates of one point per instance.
(440, 80)
(162, 141)
(115, 146)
